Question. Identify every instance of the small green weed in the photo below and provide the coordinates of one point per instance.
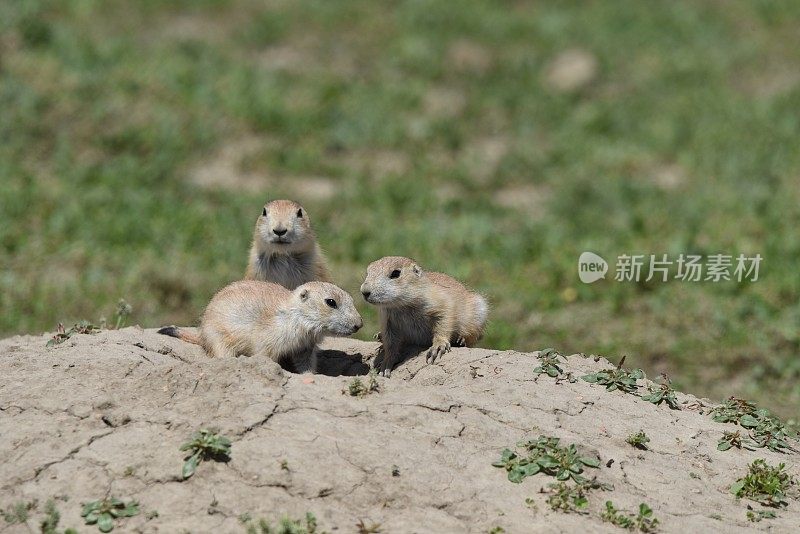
(642, 521)
(61, 335)
(49, 525)
(204, 445)
(618, 378)
(19, 512)
(757, 515)
(573, 498)
(124, 311)
(121, 315)
(544, 455)
(357, 388)
(765, 484)
(663, 392)
(103, 512)
(730, 440)
(549, 365)
(286, 526)
(764, 429)
(638, 440)
(733, 410)
(567, 498)
(363, 528)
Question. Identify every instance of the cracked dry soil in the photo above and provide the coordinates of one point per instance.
(105, 414)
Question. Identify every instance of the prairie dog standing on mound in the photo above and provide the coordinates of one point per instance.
(285, 250)
(421, 308)
(255, 318)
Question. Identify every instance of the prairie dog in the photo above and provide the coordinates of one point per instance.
(285, 250)
(421, 308)
(254, 318)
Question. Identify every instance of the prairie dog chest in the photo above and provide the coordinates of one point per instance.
(287, 270)
(410, 324)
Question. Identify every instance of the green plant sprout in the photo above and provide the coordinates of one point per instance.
(204, 445)
(662, 392)
(617, 378)
(61, 335)
(103, 512)
(764, 484)
(544, 455)
(642, 521)
(638, 440)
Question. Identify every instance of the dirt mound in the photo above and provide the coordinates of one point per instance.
(105, 414)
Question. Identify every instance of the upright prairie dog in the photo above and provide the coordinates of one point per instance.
(285, 250)
(255, 318)
(421, 308)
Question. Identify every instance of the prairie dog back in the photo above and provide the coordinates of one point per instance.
(285, 249)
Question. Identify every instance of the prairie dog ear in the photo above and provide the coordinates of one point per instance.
(264, 212)
(416, 270)
(304, 294)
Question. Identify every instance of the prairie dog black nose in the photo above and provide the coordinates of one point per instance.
(357, 327)
(279, 232)
(366, 294)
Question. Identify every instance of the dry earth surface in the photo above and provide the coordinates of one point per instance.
(105, 414)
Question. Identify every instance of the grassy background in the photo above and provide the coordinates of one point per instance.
(138, 141)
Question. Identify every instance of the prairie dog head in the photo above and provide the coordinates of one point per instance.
(283, 227)
(392, 281)
(328, 307)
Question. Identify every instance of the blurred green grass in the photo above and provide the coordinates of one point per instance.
(138, 141)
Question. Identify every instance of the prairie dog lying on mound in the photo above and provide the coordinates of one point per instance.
(255, 318)
(421, 308)
(285, 250)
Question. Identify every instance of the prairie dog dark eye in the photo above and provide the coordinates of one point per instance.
(331, 303)
(264, 212)
(300, 213)
(395, 274)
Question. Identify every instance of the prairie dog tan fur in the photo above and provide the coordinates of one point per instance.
(421, 308)
(285, 250)
(254, 318)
